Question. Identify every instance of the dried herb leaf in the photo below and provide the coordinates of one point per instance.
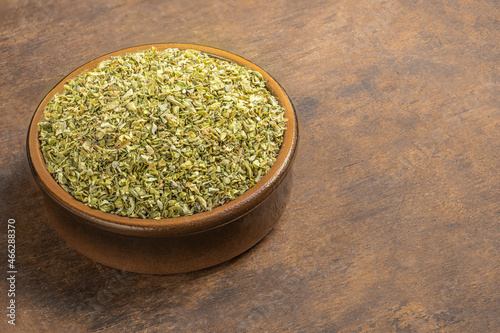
(158, 134)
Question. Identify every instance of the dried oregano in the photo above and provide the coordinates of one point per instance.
(157, 134)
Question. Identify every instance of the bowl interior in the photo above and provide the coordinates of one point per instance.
(178, 225)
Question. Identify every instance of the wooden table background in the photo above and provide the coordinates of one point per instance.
(393, 223)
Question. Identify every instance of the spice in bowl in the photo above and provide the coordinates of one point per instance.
(160, 134)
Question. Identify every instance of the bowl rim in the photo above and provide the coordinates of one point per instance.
(176, 226)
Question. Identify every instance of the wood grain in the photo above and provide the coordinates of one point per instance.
(393, 221)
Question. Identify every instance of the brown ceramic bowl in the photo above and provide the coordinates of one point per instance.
(170, 245)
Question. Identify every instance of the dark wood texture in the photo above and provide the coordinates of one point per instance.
(393, 221)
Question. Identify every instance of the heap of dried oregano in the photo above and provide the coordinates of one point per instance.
(160, 134)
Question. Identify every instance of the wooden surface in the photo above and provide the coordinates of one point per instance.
(393, 223)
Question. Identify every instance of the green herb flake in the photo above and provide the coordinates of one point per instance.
(159, 134)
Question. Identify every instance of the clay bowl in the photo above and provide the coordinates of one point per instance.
(170, 245)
